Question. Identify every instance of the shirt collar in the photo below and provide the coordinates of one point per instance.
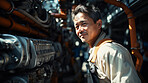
(100, 37)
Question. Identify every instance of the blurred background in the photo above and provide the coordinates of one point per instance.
(38, 43)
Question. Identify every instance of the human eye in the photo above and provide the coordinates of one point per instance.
(84, 24)
(77, 27)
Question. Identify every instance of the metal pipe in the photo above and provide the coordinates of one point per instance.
(59, 16)
(132, 28)
(26, 16)
(7, 7)
(10, 24)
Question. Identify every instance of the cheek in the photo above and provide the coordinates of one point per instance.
(92, 31)
(77, 33)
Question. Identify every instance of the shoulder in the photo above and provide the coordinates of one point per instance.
(113, 49)
(113, 46)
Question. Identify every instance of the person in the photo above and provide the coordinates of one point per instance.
(113, 63)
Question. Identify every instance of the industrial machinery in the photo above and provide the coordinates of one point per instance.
(21, 53)
(37, 40)
(18, 52)
(33, 45)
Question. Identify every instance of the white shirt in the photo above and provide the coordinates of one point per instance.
(114, 63)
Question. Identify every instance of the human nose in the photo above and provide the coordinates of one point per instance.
(81, 28)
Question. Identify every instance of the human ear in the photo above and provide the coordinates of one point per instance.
(99, 23)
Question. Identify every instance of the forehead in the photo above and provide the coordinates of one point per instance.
(81, 16)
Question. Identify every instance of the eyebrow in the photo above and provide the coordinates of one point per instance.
(80, 22)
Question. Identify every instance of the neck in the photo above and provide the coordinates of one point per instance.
(91, 43)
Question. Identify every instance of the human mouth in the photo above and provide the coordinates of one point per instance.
(82, 34)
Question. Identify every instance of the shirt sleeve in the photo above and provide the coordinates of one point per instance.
(117, 64)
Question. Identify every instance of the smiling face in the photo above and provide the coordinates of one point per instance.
(86, 29)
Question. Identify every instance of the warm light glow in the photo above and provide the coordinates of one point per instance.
(130, 27)
(62, 13)
(132, 52)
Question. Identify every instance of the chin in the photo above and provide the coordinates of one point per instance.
(83, 40)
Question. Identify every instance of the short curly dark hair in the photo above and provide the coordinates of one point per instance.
(92, 11)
